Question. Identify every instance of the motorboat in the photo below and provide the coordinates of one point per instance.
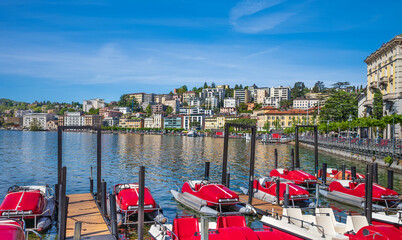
(298, 177)
(35, 204)
(127, 196)
(225, 228)
(393, 219)
(323, 225)
(335, 174)
(210, 198)
(264, 189)
(353, 193)
(14, 229)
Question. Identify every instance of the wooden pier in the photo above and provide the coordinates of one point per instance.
(261, 206)
(82, 208)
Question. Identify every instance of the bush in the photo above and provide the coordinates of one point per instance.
(388, 160)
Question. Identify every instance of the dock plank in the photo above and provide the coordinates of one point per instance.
(82, 208)
(260, 205)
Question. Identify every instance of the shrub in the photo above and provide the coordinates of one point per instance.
(388, 160)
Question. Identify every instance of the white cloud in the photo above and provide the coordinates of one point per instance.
(249, 7)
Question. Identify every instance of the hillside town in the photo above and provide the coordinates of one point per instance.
(371, 110)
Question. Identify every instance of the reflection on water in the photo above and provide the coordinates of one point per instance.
(169, 160)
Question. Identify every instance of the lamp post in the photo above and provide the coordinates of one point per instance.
(327, 129)
(349, 120)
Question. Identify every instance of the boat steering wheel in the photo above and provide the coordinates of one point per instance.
(204, 182)
(13, 188)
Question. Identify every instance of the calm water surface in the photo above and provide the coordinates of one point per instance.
(170, 160)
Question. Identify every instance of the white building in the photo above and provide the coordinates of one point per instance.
(123, 110)
(193, 110)
(110, 121)
(21, 113)
(361, 99)
(231, 102)
(209, 112)
(93, 103)
(194, 102)
(158, 120)
(74, 119)
(212, 93)
(305, 103)
(149, 122)
(211, 102)
(40, 118)
(193, 118)
(281, 92)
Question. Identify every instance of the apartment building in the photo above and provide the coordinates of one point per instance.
(93, 103)
(110, 121)
(384, 73)
(243, 95)
(20, 113)
(260, 94)
(305, 103)
(139, 97)
(39, 118)
(231, 102)
(188, 95)
(217, 121)
(188, 119)
(131, 123)
(158, 108)
(283, 119)
(93, 120)
(175, 104)
(173, 121)
(218, 93)
(192, 110)
(73, 119)
(123, 110)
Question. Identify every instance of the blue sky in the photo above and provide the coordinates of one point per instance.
(81, 49)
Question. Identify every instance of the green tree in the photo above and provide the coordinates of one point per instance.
(339, 106)
(340, 85)
(377, 104)
(277, 124)
(93, 111)
(318, 87)
(285, 104)
(195, 124)
(298, 90)
(169, 110)
(35, 125)
(205, 85)
(127, 101)
(213, 85)
(266, 126)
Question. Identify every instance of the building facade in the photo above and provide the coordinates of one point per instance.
(283, 119)
(384, 74)
(175, 104)
(260, 94)
(73, 119)
(93, 103)
(131, 123)
(110, 121)
(188, 119)
(217, 121)
(243, 95)
(305, 103)
(173, 121)
(231, 102)
(20, 113)
(93, 120)
(39, 118)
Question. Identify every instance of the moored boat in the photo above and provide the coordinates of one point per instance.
(210, 198)
(298, 177)
(225, 228)
(127, 196)
(335, 174)
(353, 193)
(264, 189)
(35, 204)
(323, 225)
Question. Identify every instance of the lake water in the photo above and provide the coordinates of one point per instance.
(31, 157)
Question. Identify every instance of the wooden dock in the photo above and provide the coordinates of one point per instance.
(261, 206)
(82, 208)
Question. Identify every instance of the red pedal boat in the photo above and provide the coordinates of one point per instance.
(353, 193)
(298, 177)
(12, 230)
(335, 174)
(210, 198)
(127, 204)
(226, 228)
(33, 203)
(265, 189)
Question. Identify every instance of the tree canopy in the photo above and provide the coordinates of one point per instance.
(339, 106)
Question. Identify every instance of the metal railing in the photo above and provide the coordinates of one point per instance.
(366, 146)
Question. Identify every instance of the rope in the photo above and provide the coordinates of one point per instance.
(76, 220)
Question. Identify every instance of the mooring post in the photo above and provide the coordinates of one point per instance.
(225, 154)
(390, 179)
(292, 155)
(141, 185)
(103, 195)
(316, 150)
(59, 156)
(66, 202)
(353, 170)
(228, 180)
(375, 173)
(286, 197)
(113, 214)
(297, 147)
(343, 171)
(324, 174)
(278, 184)
(77, 230)
(91, 186)
(317, 195)
(61, 214)
(369, 199)
(276, 158)
(206, 174)
(56, 192)
(204, 228)
(252, 158)
(98, 162)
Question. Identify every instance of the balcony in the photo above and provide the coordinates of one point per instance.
(390, 77)
(368, 103)
(389, 97)
(373, 85)
(384, 80)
